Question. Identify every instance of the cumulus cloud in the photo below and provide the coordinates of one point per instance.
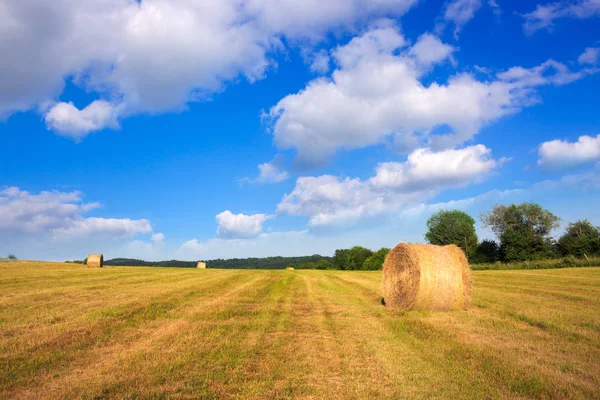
(158, 238)
(319, 62)
(271, 173)
(67, 120)
(376, 92)
(240, 225)
(557, 154)
(459, 12)
(59, 216)
(407, 225)
(152, 56)
(544, 15)
(328, 200)
(426, 169)
(429, 50)
(591, 55)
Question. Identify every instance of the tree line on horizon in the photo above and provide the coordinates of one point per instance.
(523, 233)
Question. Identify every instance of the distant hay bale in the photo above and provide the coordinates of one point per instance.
(95, 261)
(426, 277)
(289, 268)
(201, 265)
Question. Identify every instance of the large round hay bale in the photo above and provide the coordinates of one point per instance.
(426, 277)
(201, 265)
(95, 261)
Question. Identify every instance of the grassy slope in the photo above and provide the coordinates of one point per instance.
(69, 331)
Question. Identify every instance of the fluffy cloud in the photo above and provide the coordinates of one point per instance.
(59, 216)
(240, 225)
(425, 169)
(591, 55)
(557, 154)
(271, 172)
(544, 15)
(158, 238)
(459, 12)
(377, 91)
(407, 225)
(319, 62)
(329, 200)
(67, 120)
(151, 56)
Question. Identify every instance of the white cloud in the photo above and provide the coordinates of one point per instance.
(408, 224)
(271, 172)
(544, 15)
(425, 169)
(319, 62)
(429, 50)
(313, 18)
(240, 225)
(591, 55)
(158, 238)
(459, 12)
(59, 216)
(67, 120)
(377, 92)
(328, 200)
(152, 56)
(557, 154)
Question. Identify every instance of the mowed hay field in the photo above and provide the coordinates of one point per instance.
(67, 331)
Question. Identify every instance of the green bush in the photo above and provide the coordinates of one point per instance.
(375, 261)
(324, 264)
(580, 239)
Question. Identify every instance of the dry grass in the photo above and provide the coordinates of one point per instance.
(67, 331)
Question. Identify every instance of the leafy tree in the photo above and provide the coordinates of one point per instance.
(524, 230)
(308, 265)
(581, 238)
(375, 262)
(324, 264)
(12, 257)
(357, 257)
(487, 251)
(340, 259)
(452, 227)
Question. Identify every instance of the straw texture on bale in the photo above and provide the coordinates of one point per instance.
(201, 265)
(95, 261)
(426, 277)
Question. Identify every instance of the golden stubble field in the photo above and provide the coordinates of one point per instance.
(67, 331)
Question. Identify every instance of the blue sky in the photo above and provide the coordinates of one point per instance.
(195, 130)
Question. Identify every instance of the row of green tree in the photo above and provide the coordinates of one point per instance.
(523, 233)
(356, 258)
(233, 263)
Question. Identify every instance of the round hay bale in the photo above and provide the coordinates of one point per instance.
(426, 277)
(201, 265)
(95, 261)
(289, 268)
